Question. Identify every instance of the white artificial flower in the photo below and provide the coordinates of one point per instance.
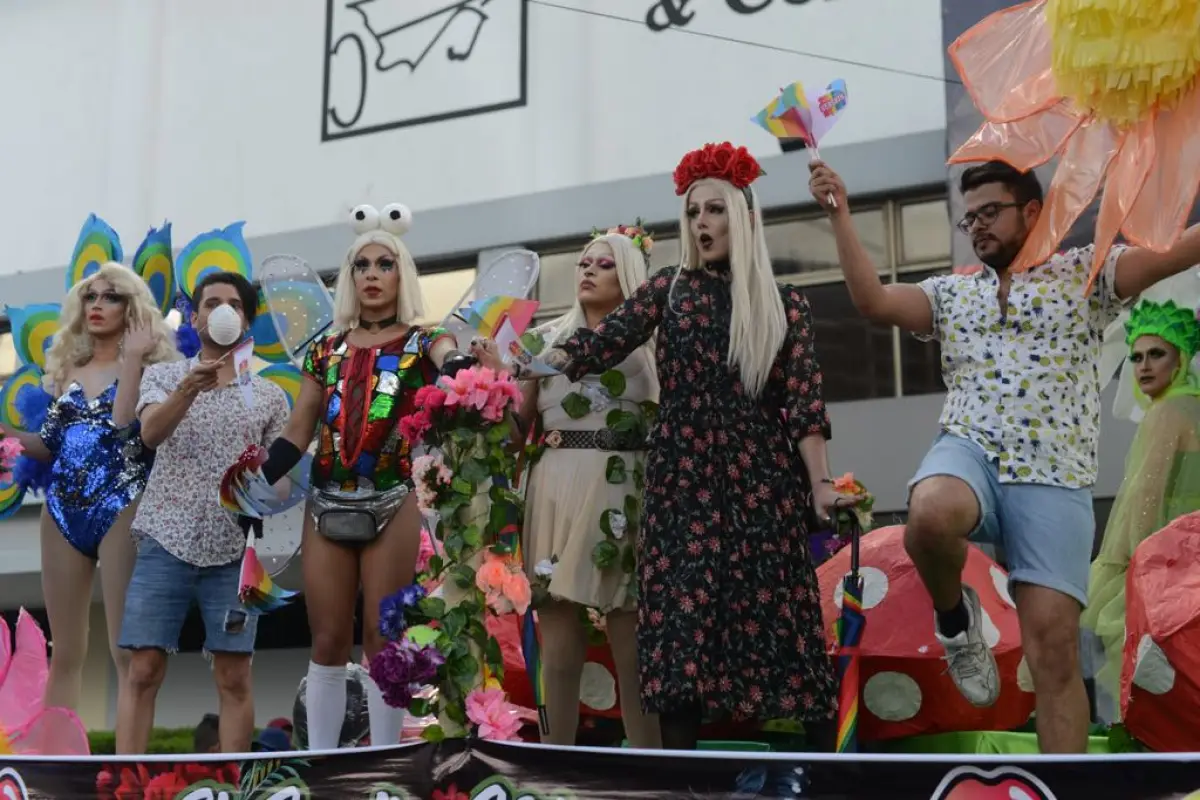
(544, 568)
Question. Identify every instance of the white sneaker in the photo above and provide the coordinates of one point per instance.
(969, 660)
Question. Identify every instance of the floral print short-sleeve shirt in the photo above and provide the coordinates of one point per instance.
(1026, 387)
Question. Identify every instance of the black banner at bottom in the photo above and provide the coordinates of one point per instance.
(461, 770)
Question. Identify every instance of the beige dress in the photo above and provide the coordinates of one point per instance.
(568, 492)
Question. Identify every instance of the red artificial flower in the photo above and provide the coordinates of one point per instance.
(722, 161)
(721, 157)
(451, 792)
(745, 169)
(414, 426)
(430, 397)
(165, 786)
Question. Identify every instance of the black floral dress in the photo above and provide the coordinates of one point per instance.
(729, 609)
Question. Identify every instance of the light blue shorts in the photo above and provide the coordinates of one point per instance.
(1046, 531)
(162, 591)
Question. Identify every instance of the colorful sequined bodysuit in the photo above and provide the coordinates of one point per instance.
(98, 469)
(367, 391)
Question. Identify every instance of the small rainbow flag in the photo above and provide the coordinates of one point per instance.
(796, 114)
(257, 592)
(489, 313)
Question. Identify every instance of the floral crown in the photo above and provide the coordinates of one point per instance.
(722, 161)
(640, 237)
(1172, 323)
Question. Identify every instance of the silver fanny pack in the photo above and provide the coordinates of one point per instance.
(356, 517)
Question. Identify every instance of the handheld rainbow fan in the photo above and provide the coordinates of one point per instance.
(511, 275)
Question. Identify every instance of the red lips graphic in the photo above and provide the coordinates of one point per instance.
(1005, 783)
(12, 787)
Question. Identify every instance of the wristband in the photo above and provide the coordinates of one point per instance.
(457, 361)
(282, 455)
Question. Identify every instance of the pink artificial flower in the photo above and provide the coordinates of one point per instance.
(497, 718)
(414, 426)
(10, 450)
(426, 551)
(504, 584)
(464, 391)
(430, 397)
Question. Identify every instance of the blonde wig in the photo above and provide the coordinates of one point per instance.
(758, 324)
(631, 273)
(384, 229)
(72, 345)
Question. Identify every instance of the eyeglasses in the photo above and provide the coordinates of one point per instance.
(985, 214)
(109, 298)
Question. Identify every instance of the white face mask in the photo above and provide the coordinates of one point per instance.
(224, 325)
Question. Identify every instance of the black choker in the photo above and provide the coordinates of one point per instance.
(377, 324)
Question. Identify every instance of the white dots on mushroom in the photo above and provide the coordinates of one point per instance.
(1000, 581)
(1152, 671)
(991, 634)
(1024, 676)
(892, 696)
(597, 687)
(875, 587)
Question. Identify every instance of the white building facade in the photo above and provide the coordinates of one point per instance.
(501, 123)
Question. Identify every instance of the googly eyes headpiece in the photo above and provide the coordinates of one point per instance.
(395, 219)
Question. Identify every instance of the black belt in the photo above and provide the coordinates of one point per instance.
(603, 439)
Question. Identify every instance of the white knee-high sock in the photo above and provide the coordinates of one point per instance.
(325, 694)
(386, 722)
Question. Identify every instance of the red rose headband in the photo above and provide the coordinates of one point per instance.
(723, 161)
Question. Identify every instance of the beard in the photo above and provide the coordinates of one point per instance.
(1000, 254)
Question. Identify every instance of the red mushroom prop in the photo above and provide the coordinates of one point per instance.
(904, 689)
(1160, 677)
(598, 692)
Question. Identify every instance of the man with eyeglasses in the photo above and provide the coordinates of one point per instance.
(1015, 458)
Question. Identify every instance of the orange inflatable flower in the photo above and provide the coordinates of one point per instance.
(1109, 86)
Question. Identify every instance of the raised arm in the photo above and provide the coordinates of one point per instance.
(904, 305)
(1138, 269)
(162, 407)
(619, 334)
(138, 340)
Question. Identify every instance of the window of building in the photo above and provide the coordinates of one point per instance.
(855, 355)
(907, 240)
(665, 253)
(8, 356)
(920, 362)
(442, 291)
(808, 246)
(925, 231)
(556, 282)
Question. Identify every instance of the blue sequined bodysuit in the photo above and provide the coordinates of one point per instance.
(98, 470)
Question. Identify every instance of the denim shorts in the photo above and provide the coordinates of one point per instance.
(162, 591)
(1046, 531)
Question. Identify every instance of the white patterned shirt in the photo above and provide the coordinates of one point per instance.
(180, 508)
(1027, 388)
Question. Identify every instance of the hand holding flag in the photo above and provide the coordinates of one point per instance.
(797, 114)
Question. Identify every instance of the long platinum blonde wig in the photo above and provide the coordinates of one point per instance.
(631, 273)
(758, 324)
(73, 346)
(385, 230)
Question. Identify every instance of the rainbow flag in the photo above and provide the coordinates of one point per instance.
(532, 650)
(531, 646)
(257, 592)
(849, 630)
(797, 114)
(488, 314)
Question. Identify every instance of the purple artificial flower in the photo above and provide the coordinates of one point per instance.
(401, 668)
(392, 622)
